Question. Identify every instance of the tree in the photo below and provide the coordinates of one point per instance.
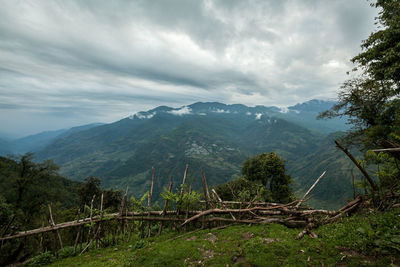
(268, 168)
(371, 98)
(87, 190)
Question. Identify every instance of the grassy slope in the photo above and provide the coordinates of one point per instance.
(363, 240)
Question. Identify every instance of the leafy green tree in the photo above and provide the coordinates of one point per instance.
(112, 199)
(371, 98)
(268, 168)
(88, 189)
(242, 190)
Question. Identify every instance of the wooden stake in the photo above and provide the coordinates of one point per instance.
(178, 208)
(310, 189)
(123, 201)
(149, 201)
(223, 205)
(165, 208)
(187, 208)
(151, 188)
(78, 233)
(205, 190)
(184, 179)
(53, 224)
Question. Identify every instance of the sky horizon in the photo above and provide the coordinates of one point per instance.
(69, 63)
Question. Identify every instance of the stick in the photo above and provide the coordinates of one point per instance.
(309, 190)
(220, 201)
(205, 189)
(53, 224)
(184, 179)
(123, 201)
(78, 233)
(151, 188)
(394, 149)
(374, 187)
(165, 208)
(149, 200)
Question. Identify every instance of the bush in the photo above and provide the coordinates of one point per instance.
(242, 189)
(66, 252)
(42, 259)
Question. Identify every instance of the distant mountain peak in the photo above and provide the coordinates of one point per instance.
(208, 108)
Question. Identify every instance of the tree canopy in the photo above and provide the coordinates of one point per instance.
(269, 169)
(371, 98)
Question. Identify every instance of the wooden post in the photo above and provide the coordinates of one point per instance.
(78, 233)
(165, 208)
(123, 201)
(149, 200)
(184, 179)
(41, 239)
(205, 190)
(178, 209)
(309, 190)
(88, 239)
(374, 187)
(187, 208)
(222, 203)
(101, 216)
(151, 188)
(53, 224)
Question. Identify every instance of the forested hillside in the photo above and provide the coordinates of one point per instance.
(213, 137)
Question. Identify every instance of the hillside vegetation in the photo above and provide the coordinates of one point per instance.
(213, 137)
(368, 239)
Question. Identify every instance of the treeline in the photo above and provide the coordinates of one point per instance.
(26, 190)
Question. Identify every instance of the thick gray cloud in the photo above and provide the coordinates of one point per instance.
(65, 63)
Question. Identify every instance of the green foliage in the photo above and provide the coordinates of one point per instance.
(112, 199)
(387, 170)
(182, 200)
(6, 211)
(242, 189)
(268, 168)
(369, 233)
(381, 56)
(66, 252)
(26, 188)
(42, 259)
(88, 189)
(140, 244)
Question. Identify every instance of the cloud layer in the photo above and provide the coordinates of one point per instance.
(65, 63)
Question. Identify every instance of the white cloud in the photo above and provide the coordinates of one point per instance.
(221, 111)
(258, 116)
(182, 111)
(283, 110)
(142, 115)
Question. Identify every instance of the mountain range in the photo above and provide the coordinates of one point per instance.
(213, 137)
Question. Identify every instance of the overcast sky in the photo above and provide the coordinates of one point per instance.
(67, 63)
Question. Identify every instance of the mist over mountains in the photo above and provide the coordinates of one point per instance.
(213, 137)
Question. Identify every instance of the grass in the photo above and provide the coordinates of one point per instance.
(368, 239)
